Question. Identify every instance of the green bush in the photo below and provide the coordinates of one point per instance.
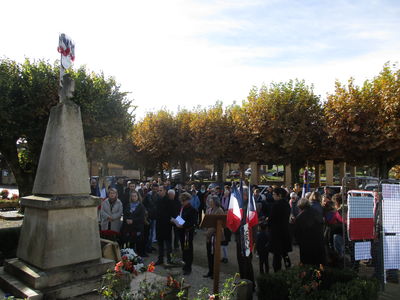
(306, 282)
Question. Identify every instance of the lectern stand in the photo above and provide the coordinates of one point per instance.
(218, 222)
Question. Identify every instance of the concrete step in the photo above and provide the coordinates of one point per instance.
(39, 279)
(18, 289)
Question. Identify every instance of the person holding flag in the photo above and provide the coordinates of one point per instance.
(237, 223)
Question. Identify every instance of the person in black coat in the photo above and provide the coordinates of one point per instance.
(164, 213)
(262, 245)
(149, 203)
(186, 231)
(133, 223)
(278, 223)
(309, 233)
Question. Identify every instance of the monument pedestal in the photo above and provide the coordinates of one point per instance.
(59, 252)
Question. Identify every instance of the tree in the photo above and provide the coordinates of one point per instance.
(286, 121)
(364, 121)
(212, 134)
(29, 90)
(185, 152)
(155, 137)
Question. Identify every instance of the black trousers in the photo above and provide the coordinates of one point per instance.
(277, 261)
(264, 265)
(165, 239)
(210, 258)
(245, 265)
(186, 239)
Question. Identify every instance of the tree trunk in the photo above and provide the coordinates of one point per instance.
(24, 179)
(182, 164)
(219, 166)
(384, 168)
(295, 172)
(242, 170)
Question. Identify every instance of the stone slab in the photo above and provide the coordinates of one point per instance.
(39, 279)
(60, 202)
(73, 289)
(63, 168)
(10, 284)
(59, 237)
(11, 215)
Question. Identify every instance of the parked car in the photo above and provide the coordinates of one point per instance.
(248, 172)
(234, 174)
(177, 176)
(202, 174)
(278, 174)
(336, 189)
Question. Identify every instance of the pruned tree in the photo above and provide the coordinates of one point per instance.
(155, 137)
(286, 121)
(364, 121)
(29, 90)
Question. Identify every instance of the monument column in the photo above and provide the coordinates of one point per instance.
(59, 253)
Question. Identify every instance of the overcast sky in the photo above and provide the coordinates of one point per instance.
(172, 53)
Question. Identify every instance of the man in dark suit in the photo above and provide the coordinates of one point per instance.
(164, 213)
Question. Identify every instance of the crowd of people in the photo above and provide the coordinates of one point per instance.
(138, 216)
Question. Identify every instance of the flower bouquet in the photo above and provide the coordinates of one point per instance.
(116, 283)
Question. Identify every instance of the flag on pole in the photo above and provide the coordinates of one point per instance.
(235, 211)
(67, 49)
(251, 216)
(251, 221)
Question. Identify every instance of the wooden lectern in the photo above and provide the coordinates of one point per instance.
(218, 222)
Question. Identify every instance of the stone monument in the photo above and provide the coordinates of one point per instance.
(59, 254)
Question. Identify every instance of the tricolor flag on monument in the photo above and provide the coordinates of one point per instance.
(235, 211)
(67, 49)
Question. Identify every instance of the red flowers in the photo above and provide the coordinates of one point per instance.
(150, 267)
(118, 267)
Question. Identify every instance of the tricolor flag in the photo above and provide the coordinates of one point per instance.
(251, 216)
(251, 221)
(235, 211)
(67, 49)
(360, 215)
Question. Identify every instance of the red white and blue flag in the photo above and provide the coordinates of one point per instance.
(251, 221)
(67, 49)
(251, 216)
(235, 211)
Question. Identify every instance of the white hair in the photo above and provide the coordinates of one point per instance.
(171, 192)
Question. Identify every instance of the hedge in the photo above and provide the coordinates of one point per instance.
(311, 283)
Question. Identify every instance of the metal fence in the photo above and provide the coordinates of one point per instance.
(371, 227)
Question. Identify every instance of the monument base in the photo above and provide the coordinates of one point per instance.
(59, 231)
(26, 281)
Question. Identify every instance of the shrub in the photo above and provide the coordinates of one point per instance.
(311, 283)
